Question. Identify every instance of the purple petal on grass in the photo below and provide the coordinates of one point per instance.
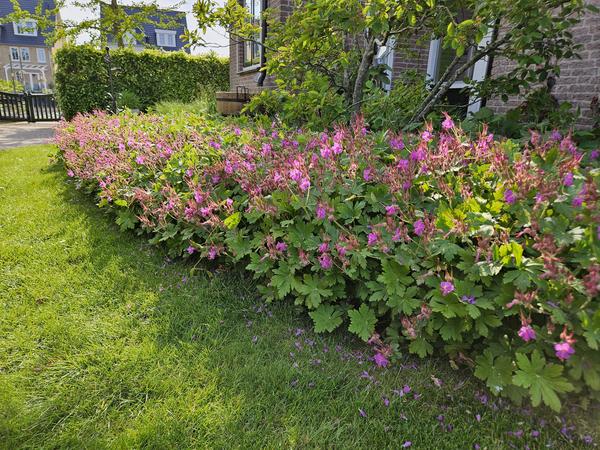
(254, 339)
(362, 413)
(386, 401)
(478, 417)
(406, 444)
(294, 383)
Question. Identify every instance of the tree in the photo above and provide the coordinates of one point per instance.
(335, 41)
(118, 19)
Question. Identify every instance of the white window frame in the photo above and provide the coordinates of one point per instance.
(27, 52)
(41, 51)
(30, 26)
(12, 56)
(162, 34)
(385, 55)
(479, 69)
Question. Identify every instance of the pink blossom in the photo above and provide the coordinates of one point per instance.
(392, 210)
(281, 247)
(325, 261)
(447, 287)
(326, 152)
(323, 247)
(212, 252)
(191, 249)
(321, 212)
(139, 159)
(447, 124)
(509, 196)
(577, 201)
(337, 148)
(304, 184)
(419, 227)
(198, 197)
(372, 239)
(568, 179)
(380, 360)
(295, 175)
(341, 250)
(527, 333)
(215, 145)
(403, 164)
(70, 173)
(426, 136)
(368, 174)
(397, 143)
(563, 350)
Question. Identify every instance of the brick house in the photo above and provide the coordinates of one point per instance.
(24, 53)
(579, 81)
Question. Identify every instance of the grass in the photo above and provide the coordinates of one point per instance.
(105, 343)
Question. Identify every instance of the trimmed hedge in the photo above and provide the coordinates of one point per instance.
(82, 79)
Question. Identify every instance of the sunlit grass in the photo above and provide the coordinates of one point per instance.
(104, 342)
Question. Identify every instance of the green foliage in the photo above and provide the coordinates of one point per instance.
(8, 86)
(394, 110)
(438, 242)
(82, 83)
(130, 100)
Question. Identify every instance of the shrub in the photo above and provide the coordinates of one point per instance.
(153, 76)
(7, 86)
(477, 248)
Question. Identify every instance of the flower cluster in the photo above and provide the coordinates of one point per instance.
(485, 249)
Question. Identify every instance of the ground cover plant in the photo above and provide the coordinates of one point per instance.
(483, 250)
(106, 342)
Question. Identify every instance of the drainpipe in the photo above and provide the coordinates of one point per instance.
(263, 34)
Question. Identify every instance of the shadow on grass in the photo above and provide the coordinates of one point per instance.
(154, 357)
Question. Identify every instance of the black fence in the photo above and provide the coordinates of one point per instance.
(29, 107)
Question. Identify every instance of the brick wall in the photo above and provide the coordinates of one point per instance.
(579, 80)
(413, 57)
(238, 76)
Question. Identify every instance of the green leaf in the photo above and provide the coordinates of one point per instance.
(314, 288)
(362, 322)
(495, 371)
(421, 347)
(126, 219)
(544, 381)
(283, 279)
(326, 318)
(233, 220)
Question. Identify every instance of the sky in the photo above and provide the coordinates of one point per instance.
(217, 38)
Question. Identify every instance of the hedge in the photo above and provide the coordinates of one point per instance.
(82, 83)
(485, 250)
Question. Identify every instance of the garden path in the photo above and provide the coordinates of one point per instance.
(18, 134)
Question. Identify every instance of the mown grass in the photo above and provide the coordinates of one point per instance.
(105, 343)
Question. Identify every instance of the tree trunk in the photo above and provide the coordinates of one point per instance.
(116, 25)
(361, 76)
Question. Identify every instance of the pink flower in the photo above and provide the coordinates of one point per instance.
(295, 175)
(418, 154)
(191, 249)
(139, 159)
(368, 174)
(577, 201)
(392, 210)
(446, 287)
(380, 360)
(447, 124)
(426, 136)
(509, 196)
(326, 152)
(568, 180)
(403, 164)
(397, 143)
(212, 252)
(304, 184)
(341, 250)
(372, 238)
(337, 148)
(237, 131)
(281, 247)
(323, 247)
(198, 197)
(527, 333)
(321, 212)
(362, 412)
(70, 173)
(215, 145)
(325, 261)
(563, 350)
(419, 227)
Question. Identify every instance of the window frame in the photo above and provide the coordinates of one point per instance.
(24, 24)
(41, 51)
(252, 47)
(12, 54)
(171, 34)
(27, 51)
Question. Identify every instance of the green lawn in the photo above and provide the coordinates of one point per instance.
(105, 343)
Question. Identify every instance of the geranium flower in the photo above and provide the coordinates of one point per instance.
(555, 135)
(321, 212)
(563, 350)
(191, 249)
(527, 333)
(304, 184)
(372, 239)
(577, 202)
(212, 252)
(447, 287)
(403, 164)
(509, 196)
(368, 174)
(419, 227)
(426, 136)
(325, 261)
(568, 179)
(447, 124)
(392, 210)
(380, 360)
(281, 247)
(397, 143)
(139, 159)
(470, 299)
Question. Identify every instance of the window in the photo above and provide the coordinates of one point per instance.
(14, 54)
(25, 54)
(166, 38)
(41, 55)
(253, 48)
(129, 39)
(25, 28)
